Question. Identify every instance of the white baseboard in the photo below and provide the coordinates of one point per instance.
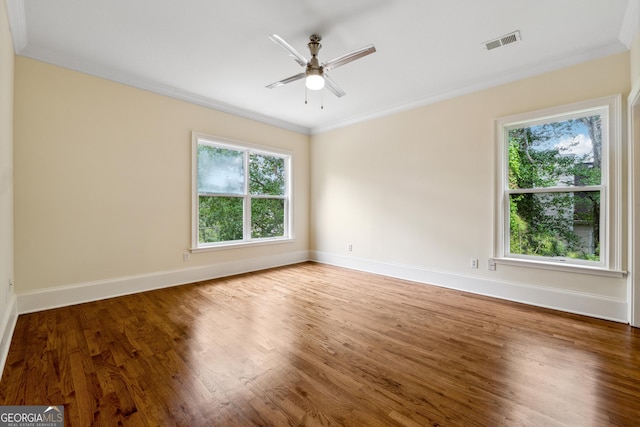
(9, 320)
(573, 302)
(62, 296)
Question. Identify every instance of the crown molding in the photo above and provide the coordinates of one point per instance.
(631, 23)
(18, 24)
(17, 21)
(172, 92)
(515, 74)
(158, 88)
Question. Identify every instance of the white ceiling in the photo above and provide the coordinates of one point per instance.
(216, 53)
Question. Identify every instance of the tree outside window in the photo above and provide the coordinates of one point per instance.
(563, 158)
(558, 194)
(242, 194)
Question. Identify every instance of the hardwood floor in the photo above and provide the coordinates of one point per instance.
(317, 345)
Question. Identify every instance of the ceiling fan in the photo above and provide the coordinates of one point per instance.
(315, 72)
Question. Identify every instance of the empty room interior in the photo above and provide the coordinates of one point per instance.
(392, 213)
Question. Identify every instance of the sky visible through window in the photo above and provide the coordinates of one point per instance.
(577, 143)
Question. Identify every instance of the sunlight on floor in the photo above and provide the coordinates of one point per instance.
(538, 381)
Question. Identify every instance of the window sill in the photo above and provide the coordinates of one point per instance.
(238, 245)
(558, 266)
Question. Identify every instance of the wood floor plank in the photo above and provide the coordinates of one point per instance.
(315, 345)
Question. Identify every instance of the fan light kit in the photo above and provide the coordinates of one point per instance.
(315, 73)
(314, 81)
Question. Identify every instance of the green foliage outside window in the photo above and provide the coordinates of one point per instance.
(223, 198)
(564, 157)
(220, 219)
(267, 218)
(266, 178)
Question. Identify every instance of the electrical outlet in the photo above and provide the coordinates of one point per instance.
(186, 256)
(474, 263)
(350, 248)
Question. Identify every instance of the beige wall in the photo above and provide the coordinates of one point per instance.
(635, 61)
(103, 179)
(415, 189)
(6, 177)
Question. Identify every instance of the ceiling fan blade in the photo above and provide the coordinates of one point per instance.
(351, 56)
(297, 56)
(287, 80)
(333, 87)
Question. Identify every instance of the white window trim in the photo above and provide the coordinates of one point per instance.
(196, 138)
(611, 191)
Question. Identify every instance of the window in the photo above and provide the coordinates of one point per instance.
(558, 186)
(241, 194)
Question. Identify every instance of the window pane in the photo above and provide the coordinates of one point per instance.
(267, 218)
(220, 170)
(559, 154)
(266, 175)
(220, 219)
(555, 225)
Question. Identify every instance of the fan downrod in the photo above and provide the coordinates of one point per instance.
(314, 44)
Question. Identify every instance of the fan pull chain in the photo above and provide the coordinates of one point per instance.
(321, 97)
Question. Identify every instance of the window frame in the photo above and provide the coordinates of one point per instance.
(247, 149)
(610, 187)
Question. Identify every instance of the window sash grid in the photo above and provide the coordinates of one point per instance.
(247, 197)
(253, 196)
(262, 196)
(585, 189)
(246, 205)
(609, 188)
(221, 195)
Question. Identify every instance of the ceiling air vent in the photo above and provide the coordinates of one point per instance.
(501, 41)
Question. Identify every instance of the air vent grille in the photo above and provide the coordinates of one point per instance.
(501, 41)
